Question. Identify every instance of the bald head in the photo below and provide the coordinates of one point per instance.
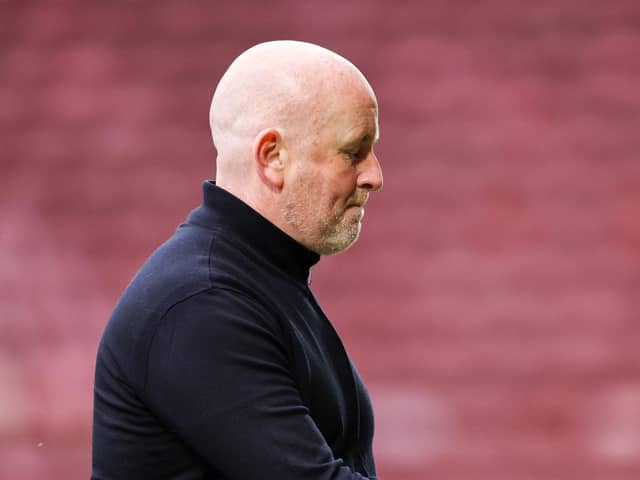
(294, 126)
(286, 85)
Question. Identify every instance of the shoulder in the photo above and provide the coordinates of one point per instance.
(219, 318)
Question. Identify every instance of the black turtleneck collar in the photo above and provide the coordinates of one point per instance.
(222, 210)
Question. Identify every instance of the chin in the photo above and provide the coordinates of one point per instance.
(340, 242)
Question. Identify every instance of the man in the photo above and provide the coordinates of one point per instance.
(218, 362)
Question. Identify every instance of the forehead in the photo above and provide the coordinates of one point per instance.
(358, 124)
(352, 117)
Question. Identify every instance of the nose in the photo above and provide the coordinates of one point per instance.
(370, 177)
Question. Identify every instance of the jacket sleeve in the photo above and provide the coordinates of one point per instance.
(218, 374)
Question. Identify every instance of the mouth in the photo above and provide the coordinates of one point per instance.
(360, 204)
(358, 207)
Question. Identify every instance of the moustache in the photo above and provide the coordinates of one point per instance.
(359, 201)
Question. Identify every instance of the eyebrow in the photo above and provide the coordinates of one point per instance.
(364, 138)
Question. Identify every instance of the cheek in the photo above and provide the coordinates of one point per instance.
(344, 190)
(334, 198)
(313, 197)
(328, 191)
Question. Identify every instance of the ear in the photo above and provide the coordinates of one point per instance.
(270, 155)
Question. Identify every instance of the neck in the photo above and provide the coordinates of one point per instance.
(265, 203)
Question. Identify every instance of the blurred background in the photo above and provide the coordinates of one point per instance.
(492, 304)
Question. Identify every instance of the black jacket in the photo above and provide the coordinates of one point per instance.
(219, 363)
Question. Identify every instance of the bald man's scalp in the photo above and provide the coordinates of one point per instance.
(286, 85)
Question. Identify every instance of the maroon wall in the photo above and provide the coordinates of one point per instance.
(493, 302)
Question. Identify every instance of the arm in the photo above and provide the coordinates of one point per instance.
(218, 374)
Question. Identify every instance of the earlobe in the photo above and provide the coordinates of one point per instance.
(270, 156)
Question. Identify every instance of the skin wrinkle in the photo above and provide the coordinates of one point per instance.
(321, 108)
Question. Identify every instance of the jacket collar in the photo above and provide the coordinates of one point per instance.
(228, 214)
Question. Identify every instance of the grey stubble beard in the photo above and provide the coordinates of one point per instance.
(327, 236)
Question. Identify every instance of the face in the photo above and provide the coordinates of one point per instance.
(331, 175)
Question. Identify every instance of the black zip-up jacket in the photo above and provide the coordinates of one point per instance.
(218, 363)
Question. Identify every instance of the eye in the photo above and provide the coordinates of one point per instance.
(356, 155)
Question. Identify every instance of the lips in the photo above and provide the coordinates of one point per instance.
(358, 204)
